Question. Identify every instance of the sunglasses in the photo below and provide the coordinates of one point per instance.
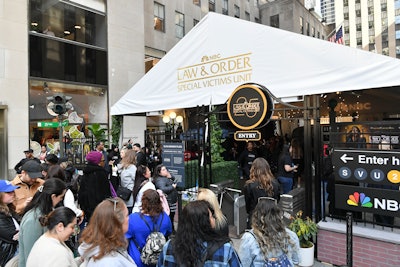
(113, 200)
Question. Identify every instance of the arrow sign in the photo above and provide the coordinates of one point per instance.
(345, 158)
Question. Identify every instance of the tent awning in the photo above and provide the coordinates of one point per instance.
(221, 52)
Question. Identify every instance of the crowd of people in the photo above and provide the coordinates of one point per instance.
(50, 215)
(284, 157)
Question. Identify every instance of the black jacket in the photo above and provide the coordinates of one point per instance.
(8, 246)
(252, 192)
(165, 185)
(141, 159)
(94, 188)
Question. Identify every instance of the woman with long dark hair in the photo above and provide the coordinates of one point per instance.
(50, 249)
(262, 183)
(269, 239)
(142, 183)
(44, 201)
(9, 226)
(164, 181)
(221, 223)
(196, 240)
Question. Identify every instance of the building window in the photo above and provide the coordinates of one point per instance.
(197, 2)
(237, 11)
(312, 31)
(318, 35)
(256, 20)
(346, 29)
(247, 16)
(195, 21)
(385, 51)
(370, 10)
(274, 21)
(346, 15)
(372, 39)
(62, 21)
(346, 3)
(383, 7)
(308, 28)
(358, 13)
(179, 25)
(301, 25)
(211, 5)
(159, 16)
(225, 7)
(359, 41)
(358, 27)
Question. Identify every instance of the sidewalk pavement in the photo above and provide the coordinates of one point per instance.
(236, 244)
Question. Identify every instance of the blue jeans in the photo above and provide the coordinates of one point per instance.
(287, 184)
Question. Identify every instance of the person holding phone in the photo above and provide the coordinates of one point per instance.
(164, 181)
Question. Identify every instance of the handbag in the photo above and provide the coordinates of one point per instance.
(124, 193)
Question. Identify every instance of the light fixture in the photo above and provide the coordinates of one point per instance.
(179, 119)
(78, 27)
(165, 119)
(170, 121)
(172, 115)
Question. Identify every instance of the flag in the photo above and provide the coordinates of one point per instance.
(337, 37)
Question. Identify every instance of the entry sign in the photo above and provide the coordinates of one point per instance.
(247, 136)
(51, 124)
(372, 167)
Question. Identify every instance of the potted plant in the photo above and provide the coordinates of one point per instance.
(306, 230)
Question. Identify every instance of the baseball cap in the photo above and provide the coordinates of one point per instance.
(28, 151)
(33, 168)
(6, 186)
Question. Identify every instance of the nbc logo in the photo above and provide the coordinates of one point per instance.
(359, 198)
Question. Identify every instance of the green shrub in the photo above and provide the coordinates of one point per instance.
(221, 171)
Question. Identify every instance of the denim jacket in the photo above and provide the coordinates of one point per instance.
(250, 253)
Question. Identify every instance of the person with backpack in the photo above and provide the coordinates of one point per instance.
(269, 243)
(196, 242)
(148, 230)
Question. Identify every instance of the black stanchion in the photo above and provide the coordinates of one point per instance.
(349, 239)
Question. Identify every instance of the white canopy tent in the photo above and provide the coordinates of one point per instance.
(221, 53)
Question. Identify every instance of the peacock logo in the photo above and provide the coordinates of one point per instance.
(359, 198)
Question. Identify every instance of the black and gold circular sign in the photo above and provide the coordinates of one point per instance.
(250, 106)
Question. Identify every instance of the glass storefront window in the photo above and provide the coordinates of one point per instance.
(56, 19)
(89, 102)
(58, 60)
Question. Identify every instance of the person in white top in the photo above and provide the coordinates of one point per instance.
(142, 183)
(56, 171)
(50, 249)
